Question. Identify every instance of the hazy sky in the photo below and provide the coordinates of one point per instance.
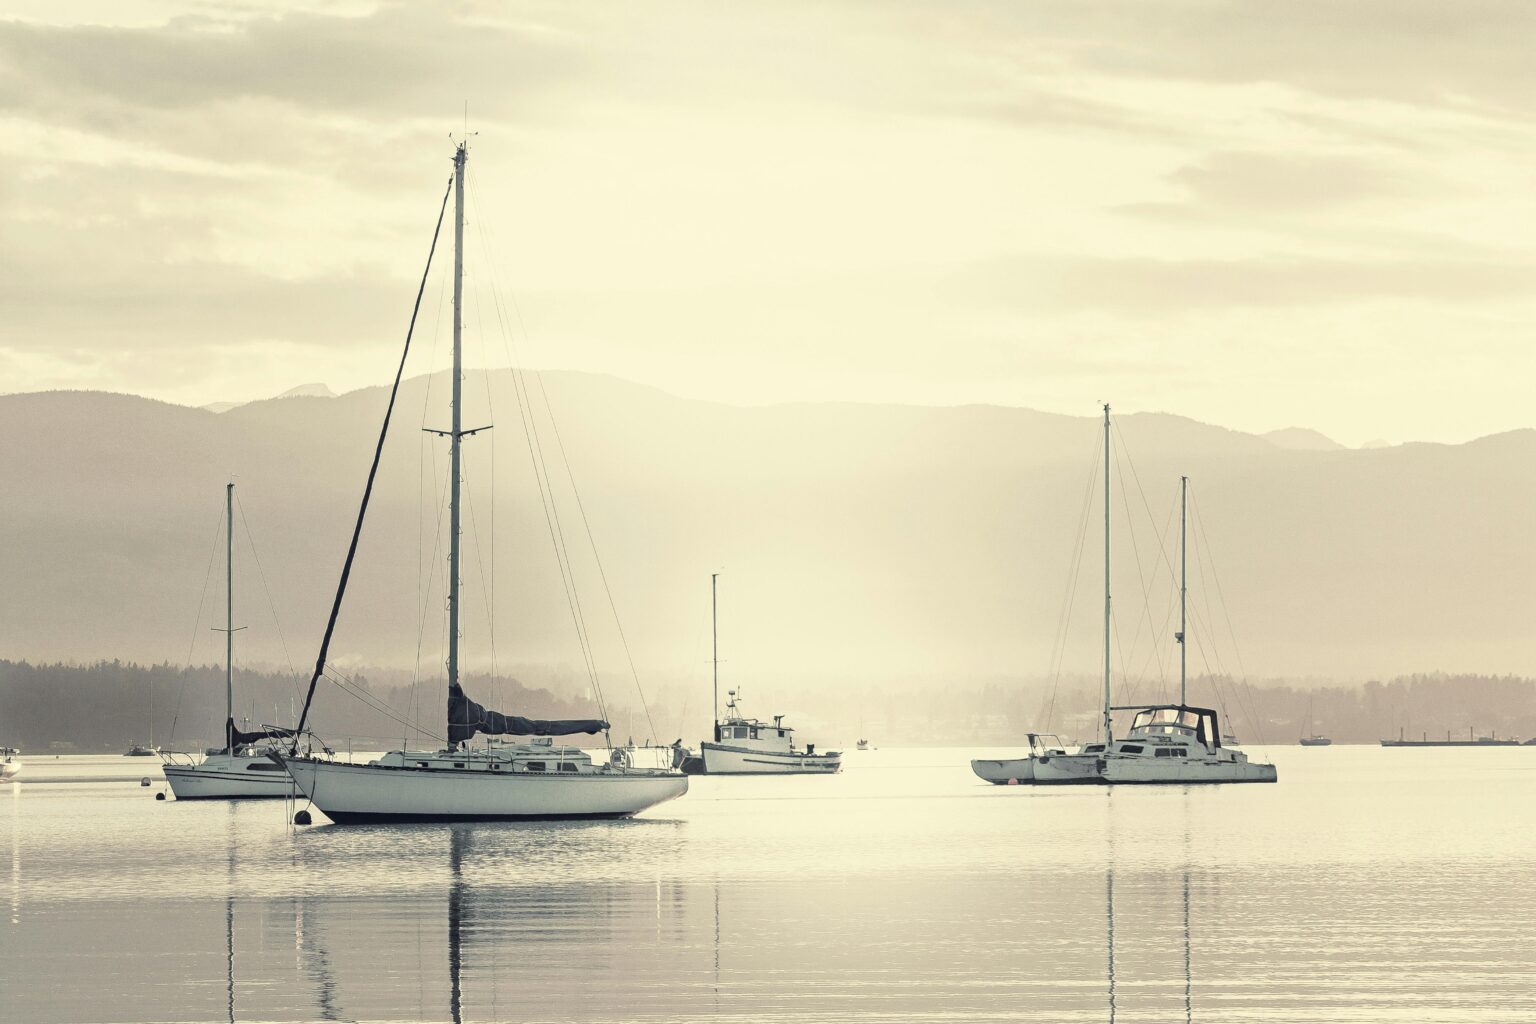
(1256, 214)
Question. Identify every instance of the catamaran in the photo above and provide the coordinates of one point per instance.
(240, 769)
(1167, 743)
(501, 781)
(749, 746)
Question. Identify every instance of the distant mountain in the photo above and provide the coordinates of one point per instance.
(316, 390)
(1301, 439)
(881, 546)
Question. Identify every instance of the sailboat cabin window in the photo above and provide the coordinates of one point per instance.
(1094, 748)
(259, 767)
(422, 764)
(567, 767)
(1130, 748)
(535, 766)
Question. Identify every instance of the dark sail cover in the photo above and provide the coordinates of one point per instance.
(235, 738)
(465, 718)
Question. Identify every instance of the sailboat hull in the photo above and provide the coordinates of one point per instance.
(1010, 771)
(1124, 771)
(362, 793)
(221, 777)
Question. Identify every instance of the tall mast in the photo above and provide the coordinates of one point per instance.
(1108, 734)
(714, 641)
(229, 617)
(456, 434)
(1183, 586)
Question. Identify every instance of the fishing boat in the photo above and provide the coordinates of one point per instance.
(501, 781)
(1167, 743)
(749, 746)
(10, 763)
(240, 769)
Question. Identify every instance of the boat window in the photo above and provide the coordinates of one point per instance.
(781, 734)
(1130, 748)
(1093, 748)
(741, 734)
(422, 764)
(1180, 753)
(458, 764)
(567, 767)
(1164, 752)
(495, 766)
(534, 766)
(259, 767)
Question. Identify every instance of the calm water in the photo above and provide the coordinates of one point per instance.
(1369, 885)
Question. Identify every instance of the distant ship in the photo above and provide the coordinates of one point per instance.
(10, 763)
(863, 744)
(140, 750)
(1471, 741)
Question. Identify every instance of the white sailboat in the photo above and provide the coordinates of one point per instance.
(1167, 743)
(1048, 760)
(241, 769)
(748, 746)
(502, 781)
(1176, 743)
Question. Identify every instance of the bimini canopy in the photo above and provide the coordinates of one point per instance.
(1176, 718)
(465, 718)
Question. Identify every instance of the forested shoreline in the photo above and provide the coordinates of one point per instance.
(104, 706)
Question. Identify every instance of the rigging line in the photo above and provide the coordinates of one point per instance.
(542, 477)
(262, 573)
(213, 551)
(597, 558)
(1245, 694)
(426, 447)
(1064, 619)
(1146, 598)
(551, 522)
(1205, 625)
(529, 413)
(353, 690)
(426, 595)
(373, 471)
(490, 404)
(474, 532)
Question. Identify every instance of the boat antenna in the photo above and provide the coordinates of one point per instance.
(1183, 588)
(373, 472)
(1108, 733)
(714, 640)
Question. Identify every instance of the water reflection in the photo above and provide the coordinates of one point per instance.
(890, 898)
